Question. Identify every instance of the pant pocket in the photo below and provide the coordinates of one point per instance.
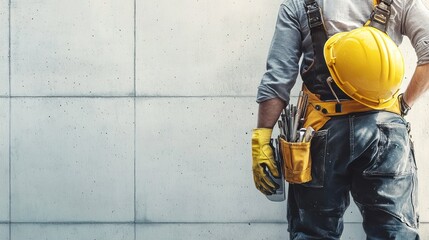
(318, 151)
(393, 155)
(391, 179)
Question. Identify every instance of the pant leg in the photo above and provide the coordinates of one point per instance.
(316, 209)
(384, 184)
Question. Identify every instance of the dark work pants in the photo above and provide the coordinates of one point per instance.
(371, 156)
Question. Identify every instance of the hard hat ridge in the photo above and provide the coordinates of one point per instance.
(366, 64)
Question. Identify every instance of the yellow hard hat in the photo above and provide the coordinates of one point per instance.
(367, 65)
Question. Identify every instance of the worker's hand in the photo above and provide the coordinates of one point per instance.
(403, 105)
(263, 161)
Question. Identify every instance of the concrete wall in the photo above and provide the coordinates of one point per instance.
(125, 120)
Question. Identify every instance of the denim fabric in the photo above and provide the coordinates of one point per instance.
(370, 155)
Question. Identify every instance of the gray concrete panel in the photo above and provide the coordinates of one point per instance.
(4, 159)
(410, 60)
(228, 232)
(4, 231)
(194, 162)
(424, 230)
(211, 231)
(72, 231)
(62, 47)
(352, 213)
(203, 47)
(72, 159)
(352, 231)
(4, 47)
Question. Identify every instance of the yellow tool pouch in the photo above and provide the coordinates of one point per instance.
(296, 161)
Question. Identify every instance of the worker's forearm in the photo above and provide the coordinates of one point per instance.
(269, 112)
(418, 85)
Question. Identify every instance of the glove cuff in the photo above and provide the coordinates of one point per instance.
(262, 134)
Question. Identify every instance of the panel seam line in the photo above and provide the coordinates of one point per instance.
(10, 117)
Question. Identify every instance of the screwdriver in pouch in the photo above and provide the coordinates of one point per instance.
(284, 125)
(304, 108)
(301, 133)
(287, 121)
(308, 134)
(282, 133)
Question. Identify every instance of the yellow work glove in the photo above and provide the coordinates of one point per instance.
(263, 161)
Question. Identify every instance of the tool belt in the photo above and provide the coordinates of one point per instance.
(319, 112)
(296, 155)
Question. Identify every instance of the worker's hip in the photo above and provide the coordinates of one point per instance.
(369, 153)
(374, 142)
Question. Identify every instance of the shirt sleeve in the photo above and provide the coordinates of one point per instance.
(283, 57)
(415, 26)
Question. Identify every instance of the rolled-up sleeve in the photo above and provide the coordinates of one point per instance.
(416, 28)
(283, 57)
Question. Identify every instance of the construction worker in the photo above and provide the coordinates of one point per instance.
(347, 56)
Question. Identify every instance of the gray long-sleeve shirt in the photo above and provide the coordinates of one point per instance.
(292, 37)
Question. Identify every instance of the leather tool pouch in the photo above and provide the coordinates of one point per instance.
(296, 161)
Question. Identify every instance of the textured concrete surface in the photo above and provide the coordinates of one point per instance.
(228, 232)
(4, 159)
(80, 47)
(4, 47)
(72, 159)
(202, 47)
(72, 231)
(4, 232)
(88, 159)
(211, 231)
(352, 231)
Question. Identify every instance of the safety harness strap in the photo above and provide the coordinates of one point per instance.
(317, 31)
(315, 75)
(380, 15)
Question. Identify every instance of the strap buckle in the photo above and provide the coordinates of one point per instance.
(380, 15)
(314, 15)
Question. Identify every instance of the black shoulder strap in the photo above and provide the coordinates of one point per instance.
(317, 27)
(380, 15)
(316, 81)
